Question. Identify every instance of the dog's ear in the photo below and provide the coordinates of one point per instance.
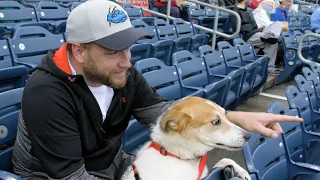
(175, 121)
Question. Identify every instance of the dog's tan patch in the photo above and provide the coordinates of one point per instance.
(193, 112)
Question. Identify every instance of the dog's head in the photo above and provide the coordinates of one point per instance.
(200, 125)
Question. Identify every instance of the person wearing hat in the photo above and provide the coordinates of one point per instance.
(79, 100)
(281, 12)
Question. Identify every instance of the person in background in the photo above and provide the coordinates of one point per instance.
(162, 4)
(261, 15)
(281, 12)
(265, 38)
(255, 3)
(315, 19)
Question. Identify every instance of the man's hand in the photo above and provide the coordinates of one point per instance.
(263, 123)
(260, 26)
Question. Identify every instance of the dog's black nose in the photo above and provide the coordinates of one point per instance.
(247, 136)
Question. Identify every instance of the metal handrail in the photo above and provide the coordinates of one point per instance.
(300, 44)
(214, 30)
(308, 3)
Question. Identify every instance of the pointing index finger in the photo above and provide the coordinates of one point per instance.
(285, 118)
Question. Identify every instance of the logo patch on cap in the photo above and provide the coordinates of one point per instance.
(116, 16)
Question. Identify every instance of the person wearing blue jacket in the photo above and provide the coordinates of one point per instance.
(315, 19)
(281, 12)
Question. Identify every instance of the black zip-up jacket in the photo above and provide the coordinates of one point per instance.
(248, 25)
(64, 122)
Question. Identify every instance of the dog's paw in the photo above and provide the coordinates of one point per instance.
(242, 173)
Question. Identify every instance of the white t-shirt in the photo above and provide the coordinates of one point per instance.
(261, 17)
(103, 94)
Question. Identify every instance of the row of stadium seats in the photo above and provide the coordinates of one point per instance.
(297, 151)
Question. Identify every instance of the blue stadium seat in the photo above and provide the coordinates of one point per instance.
(51, 11)
(164, 79)
(296, 139)
(217, 66)
(315, 67)
(293, 64)
(168, 31)
(161, 49)
(33, 2)
(5, 57)
(300, 100)
(10, 105)
(308, 86)
(134, 137)
(214, 174)
(247, 53)
(74, 5)
(12, 77)
(313, 48)
(132, 11)
(185, 29)
(266, 159)
(66, 1)
(139, 52)
(13, 13)
(193, 72)
(223, 22)
(31, 43)
(314, 77)
(233, 58)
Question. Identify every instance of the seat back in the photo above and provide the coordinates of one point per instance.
(315, 67)
(10, 105)
(74, 5)
(13, 12)
(5, 57)
(51, 11)
(246, 50)
(300, 100)
(31, 43)
(312, 76)
(231, 54)
(266, 157)
(291, 131)
(65, 1)
(307, 86)
(144, 27)
(165, 30)
(194, 13)
(12, 77)
(164, 79)
(132, 11)
(192, 70)
(134, 137)
(183, 28)
(139, 52)
(214, 60)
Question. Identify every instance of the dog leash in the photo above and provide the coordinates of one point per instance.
(164, 152)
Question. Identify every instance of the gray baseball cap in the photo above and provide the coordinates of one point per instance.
(103, 22)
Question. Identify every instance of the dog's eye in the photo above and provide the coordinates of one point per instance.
(216, 122)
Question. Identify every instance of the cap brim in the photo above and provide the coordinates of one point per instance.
(122, 39)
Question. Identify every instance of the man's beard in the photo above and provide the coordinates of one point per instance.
(92, 74)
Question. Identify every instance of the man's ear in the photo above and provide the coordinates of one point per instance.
(174, 122)
(78, 52)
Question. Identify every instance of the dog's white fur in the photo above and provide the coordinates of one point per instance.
(197, 137)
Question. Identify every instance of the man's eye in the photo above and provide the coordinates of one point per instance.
(216, 122)
(113, 53)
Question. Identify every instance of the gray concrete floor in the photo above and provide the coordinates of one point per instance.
(257, 103)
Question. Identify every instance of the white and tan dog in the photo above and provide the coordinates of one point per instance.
(181, 139)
